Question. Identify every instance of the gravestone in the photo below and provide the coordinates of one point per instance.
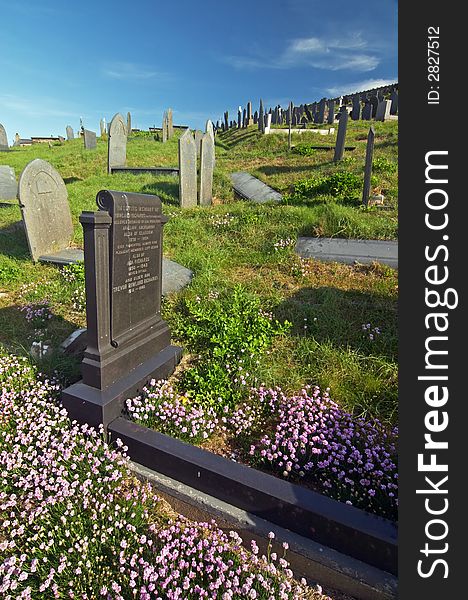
(341, 136)
(383, 110)
(267, 126)
(129, 123)
(239, 117)
(89, 139)
(250, 120)
(198, 139)
(170, 124)
(244, 118)
(394, 99)
(320, 115)
(209, 129)
(165, 127)
(8, 185)
(128, 341)
(70, 133)
(255, 118)
(368, 166)
(44, 206)
(261, 122)
(356, 112)
(331, 112)
(374, 103)
(226, 120)
(117, 143)
(207, 162)
(187, 170)
(367, 111)
(3, 140)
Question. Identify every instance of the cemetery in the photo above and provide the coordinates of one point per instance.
(211, 311)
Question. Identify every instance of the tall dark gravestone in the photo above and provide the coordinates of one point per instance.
(128, 341)
(368, 166)
(341, 136)
(261, 122)
(331, 112)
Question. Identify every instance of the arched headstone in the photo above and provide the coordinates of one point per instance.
(209, 129)
(70, 133)
(117, 144)
(187, 170)
(44, 206)
(3, 139)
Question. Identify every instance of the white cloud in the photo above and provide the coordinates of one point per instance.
(360, 86)
(131, 71)
(39, 107)
(350, 52)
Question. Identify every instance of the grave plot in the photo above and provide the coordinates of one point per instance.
(255, 318)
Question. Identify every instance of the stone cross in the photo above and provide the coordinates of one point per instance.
(368, 166)
(341, 136)
(187, 170)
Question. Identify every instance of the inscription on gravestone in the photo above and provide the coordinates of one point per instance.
(117, 144)
(3, 139)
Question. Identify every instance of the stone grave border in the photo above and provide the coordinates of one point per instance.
(346, 529)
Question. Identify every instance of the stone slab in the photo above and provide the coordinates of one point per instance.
(249, 187)
(349, 251)
(8, 185)
(68, 256)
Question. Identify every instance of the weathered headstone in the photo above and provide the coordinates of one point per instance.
(187, 170)
(341, 136)
(128, 342)
(394, 99)
(250, 120)
(165, 127)
(170, 124)
(117, 143)
(368, 166)
(8, 185)
(3, 139)
(367, 111)
(44, 206)
(261, 122)
(198, 139)
(70, 133)
(374, 103)
(207, 162)
(267, 123)
(331, 112)
(89, 139)
(356, 112)
(129, 123)
(383, 110)
(209, 129)
(320, 116)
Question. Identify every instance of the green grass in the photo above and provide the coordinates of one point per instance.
(233, 242)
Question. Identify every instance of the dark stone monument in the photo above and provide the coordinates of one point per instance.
(255, 118)
(331, 112)
(367, 111)
(44, 206)
(89, 139)
(383, 110)
(128, 342)
(368, 166)
(374, 103)
(341, 136)
(70, 133)
(320, 115)
(207, 162)
(8, 185)
(226, 120)
(3, 140)
(356, 112)
(244, 118)
(308, 113)
(261, 120)
(394, 99)
(187, 170)
(117, 143)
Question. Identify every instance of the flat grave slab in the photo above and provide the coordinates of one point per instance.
(250, 188)
(349, 251)
(174, 171)
(327, 147)
(174, 276)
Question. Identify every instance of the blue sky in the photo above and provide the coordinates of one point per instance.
(60, 61)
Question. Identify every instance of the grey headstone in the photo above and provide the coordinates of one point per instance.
(374, 102)
(249, 113)
(209, 129)
(3, 139)
(331, 112)
(321, 111)
(394, 99)
(44, 206)
(129, 123)
(198, 139)
(348, 251)
(117, 143)
(367, 111)
(187, 170)
(170, 123)
(89, 139)
(383, 110)
(70, 133)
(368, 166)
(356, 112)
(207, 162)
(250, 188)
(341, 136)
(8, 185)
